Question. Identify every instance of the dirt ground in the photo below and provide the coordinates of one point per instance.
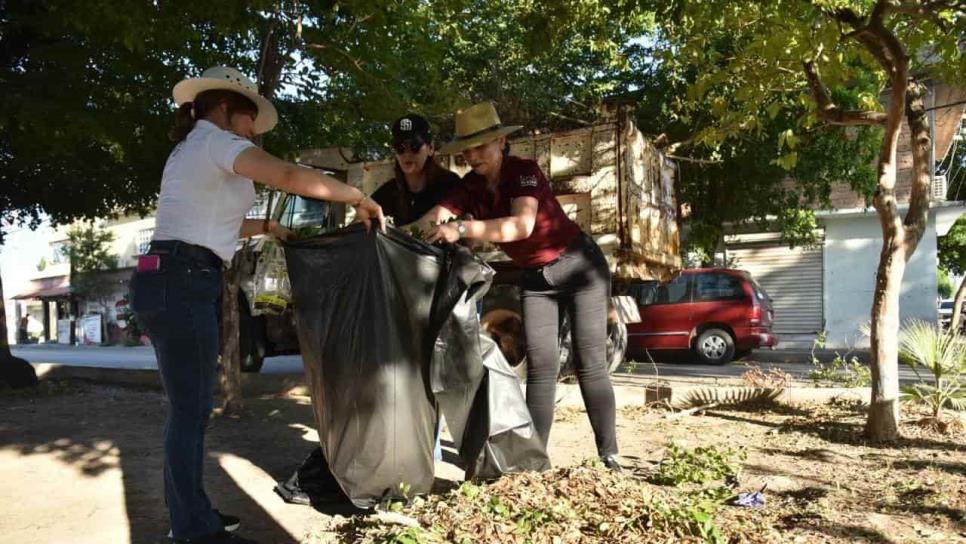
(81, 463)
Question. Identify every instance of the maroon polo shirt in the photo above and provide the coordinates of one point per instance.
(553, 230)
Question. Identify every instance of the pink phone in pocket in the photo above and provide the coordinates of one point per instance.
(149, 263)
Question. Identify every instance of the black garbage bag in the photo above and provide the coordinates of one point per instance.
(476, 388)
(312, 483)
(370, 309)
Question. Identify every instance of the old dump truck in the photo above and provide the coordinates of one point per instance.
(608, 177)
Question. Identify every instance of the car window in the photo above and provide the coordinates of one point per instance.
(675, 292)
(652, 292)
(644, 293)
(757, 288)
(712, 286)
(302, 212)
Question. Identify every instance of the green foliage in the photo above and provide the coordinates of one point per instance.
(842, 370)
(736, 75)
(701, 465)
(954, 168)
(409, 535)
(133, 328)
(945, 285)
(88, 250)
(952, 248)
(943, 355)
(87, 98)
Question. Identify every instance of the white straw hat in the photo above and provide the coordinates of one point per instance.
(229, 79)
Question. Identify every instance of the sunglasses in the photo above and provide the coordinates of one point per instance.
(402, 147)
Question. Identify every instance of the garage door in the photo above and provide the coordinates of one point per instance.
(791, 276)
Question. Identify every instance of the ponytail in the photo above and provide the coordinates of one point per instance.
(184, 121)
(204, 103)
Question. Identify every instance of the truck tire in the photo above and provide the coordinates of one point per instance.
(714, 347)
(251, 338)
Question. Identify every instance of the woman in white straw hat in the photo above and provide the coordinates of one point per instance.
(563, 268)
(206, 191)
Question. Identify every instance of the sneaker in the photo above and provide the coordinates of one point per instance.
(229, 522)
(223, 537)
(610, 462)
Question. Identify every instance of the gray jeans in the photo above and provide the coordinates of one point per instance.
(578, 283)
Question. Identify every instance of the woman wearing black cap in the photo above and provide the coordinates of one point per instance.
(420, 182)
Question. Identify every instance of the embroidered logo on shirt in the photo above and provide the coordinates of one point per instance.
(528, 181)
(406, 124)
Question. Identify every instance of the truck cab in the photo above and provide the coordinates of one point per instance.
(264, 333)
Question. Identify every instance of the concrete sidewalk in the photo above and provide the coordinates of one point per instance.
(629, 389)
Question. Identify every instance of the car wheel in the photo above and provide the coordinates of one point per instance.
(714, 347)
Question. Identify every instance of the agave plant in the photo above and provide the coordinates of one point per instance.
(943, 355)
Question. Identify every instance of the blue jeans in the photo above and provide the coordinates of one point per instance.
(178, 305)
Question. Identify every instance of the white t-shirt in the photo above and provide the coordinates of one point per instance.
(203, 201)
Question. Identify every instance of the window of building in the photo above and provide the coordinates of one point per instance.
(144, 240)
(58, 252)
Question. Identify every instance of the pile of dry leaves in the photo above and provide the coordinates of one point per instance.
(586, 503)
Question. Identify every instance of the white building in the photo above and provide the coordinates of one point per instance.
(36, 277)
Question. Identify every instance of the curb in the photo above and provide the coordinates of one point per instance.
(676, 395)
(252, 384)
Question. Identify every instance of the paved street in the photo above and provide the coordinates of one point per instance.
(793, 362)
(126, 357)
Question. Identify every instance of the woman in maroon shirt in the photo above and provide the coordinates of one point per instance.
(514, 206)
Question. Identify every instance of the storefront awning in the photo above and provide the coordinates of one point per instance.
(54, 287)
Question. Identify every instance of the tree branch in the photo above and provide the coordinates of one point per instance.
(696, 161)
(355, 62)
(829, 112)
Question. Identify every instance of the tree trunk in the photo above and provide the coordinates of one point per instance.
(900, 239)
(883, 420)
(231, 388)
(957, 306)
(269, 75)
(14, 371)
(4, 339)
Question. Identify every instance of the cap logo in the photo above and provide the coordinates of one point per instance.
(405, 124)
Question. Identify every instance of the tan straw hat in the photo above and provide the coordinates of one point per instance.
(476, 125)
(229, 79)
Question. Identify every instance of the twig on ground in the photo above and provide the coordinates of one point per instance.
(690, 411)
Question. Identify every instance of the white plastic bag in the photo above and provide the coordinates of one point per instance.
(272, 290)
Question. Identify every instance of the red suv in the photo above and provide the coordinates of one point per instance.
(717, 313)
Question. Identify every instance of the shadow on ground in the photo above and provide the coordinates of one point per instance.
(90, 428)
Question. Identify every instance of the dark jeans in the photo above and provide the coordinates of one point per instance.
(579, 284)
(178, 306)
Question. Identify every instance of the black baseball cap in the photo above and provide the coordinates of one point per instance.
(411, 129)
